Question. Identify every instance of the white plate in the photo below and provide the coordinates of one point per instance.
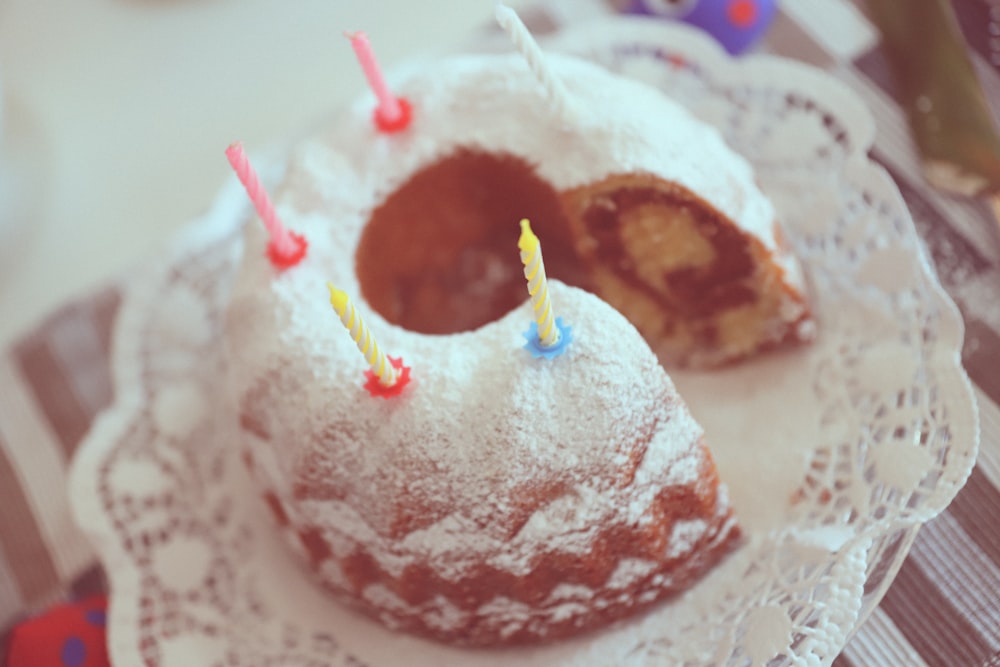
(834, 453)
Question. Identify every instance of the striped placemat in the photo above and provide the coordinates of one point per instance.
(943, 609)
(52, 384)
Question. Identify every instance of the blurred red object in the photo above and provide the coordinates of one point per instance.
(67, 635)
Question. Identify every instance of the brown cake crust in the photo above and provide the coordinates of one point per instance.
(469, 204)
(420, 586)
(701, 291)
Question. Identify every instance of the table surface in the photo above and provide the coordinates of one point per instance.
(118, 113)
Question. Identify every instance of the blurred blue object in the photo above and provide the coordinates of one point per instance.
(736, 24)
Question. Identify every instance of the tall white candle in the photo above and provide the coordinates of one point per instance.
(526, 45)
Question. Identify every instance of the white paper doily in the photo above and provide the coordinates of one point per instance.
(834, 453)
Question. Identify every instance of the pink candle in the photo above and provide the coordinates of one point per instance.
(392, 113)
(285, 248)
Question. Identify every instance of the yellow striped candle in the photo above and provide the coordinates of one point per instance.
(351, 318)
(538, 287)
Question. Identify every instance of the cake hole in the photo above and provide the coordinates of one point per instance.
(440, 254)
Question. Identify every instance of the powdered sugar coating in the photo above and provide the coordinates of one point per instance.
(618, 127)
(490, 457)
(482, 421)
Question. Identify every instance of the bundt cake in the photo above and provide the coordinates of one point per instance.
(503, 498)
